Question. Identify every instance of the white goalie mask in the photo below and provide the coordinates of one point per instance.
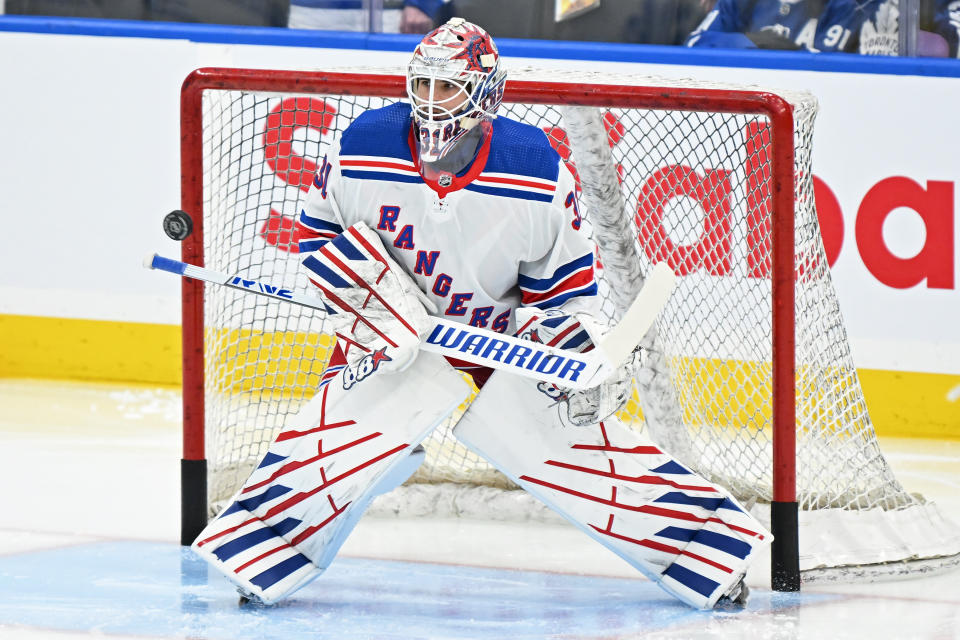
(455, 83)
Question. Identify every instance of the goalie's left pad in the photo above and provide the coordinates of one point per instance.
(287, 522)
(378, 310)
(679, 530)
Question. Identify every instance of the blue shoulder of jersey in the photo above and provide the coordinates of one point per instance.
(521, 149)
(379, 132)
(517, 148)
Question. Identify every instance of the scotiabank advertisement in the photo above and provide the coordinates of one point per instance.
(90, 133)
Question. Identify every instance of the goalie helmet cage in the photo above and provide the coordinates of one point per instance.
(747, 378)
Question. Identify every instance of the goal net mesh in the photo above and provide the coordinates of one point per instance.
(690, 187)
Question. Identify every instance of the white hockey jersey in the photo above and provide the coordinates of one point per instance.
(505, 232)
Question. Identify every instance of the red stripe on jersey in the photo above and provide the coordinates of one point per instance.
(378, 164)
(309, 233)
(518, 182)
(575, 281)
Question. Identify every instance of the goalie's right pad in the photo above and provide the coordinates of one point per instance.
(379, 312)
(347, 445)
(679, 530)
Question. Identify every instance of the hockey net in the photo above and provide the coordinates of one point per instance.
(670, 171)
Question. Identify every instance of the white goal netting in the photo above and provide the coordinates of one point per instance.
(683, 181)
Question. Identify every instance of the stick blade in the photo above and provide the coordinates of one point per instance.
(638, 319)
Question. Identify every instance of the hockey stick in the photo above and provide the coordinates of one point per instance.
(482, 346)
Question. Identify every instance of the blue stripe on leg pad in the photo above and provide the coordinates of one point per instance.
(269, 459)
(676, 497)
(671, 467)
(246, 541)
(694, 581)
(677, 533)
(719, 541)
(253, 502)
(279, 571)
(710, 504)
(727, 544)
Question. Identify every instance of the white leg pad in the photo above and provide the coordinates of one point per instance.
(679, 530)
(287, 522)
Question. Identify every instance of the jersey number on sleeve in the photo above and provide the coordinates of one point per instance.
(322, 177)
(571, 201)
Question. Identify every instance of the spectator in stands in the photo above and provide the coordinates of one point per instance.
(119, 9)
(421, 16)
(946, 22)
(639, 21)
(405, 16)
(635, 21)
(869, 27)
(264, 13)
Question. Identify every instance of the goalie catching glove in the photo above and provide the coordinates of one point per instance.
(580, 333)
(379, 313)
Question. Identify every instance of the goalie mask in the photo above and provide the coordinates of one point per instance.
(455, 83)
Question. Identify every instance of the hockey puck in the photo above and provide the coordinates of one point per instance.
(177, 224)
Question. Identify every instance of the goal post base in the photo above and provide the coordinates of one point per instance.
(193, 499)
(785, 550)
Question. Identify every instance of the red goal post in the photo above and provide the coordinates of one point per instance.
(230, 145)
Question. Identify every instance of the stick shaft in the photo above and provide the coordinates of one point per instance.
(445, 337)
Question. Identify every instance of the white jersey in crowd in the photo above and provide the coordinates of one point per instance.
(505, 232)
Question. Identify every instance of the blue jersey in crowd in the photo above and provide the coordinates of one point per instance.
(946, 21)
(813, 25)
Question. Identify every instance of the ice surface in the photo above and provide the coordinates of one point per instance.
(90, 522)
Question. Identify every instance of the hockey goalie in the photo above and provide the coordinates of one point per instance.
(439, 207)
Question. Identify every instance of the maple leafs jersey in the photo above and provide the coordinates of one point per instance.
(868, 27)
(505, 232)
